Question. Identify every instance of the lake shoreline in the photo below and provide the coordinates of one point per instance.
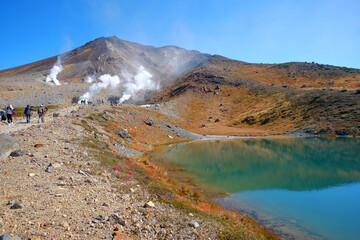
(209, 195)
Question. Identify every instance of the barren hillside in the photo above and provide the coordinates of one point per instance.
(216, 100)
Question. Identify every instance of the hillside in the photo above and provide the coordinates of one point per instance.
(293, 74)
(214, 100)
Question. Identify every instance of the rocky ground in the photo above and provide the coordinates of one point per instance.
(56, 187)
(21, 93)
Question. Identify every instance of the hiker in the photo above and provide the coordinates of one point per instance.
(27, 112)
(84, 101)
(41, 112)
(9, 113)
(2, 115)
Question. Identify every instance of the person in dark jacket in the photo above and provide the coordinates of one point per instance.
(9, 113)
(27, 112)
(2, 115)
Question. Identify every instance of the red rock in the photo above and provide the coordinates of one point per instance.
(118, 235)
(39, 145)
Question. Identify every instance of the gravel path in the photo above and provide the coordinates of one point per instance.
(20, 123)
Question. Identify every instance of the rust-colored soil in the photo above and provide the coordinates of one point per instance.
(215, 100)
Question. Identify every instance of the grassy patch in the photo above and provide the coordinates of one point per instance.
(20, 110)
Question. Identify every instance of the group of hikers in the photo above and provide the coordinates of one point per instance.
(9, 112)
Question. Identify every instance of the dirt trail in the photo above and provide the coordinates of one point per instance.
(20, 123)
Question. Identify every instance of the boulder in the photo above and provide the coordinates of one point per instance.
(49, 169)
(114, 218)
(194, 224)
(118, 235)
(100, 136)
(149, 204)
(9, 237)
(8, 144)
(39, 145)
(149, 122)
(124, 133)
(266, 120)
(17, 153)
(17, 205)
(76, 127)
(249, 120)
(342, 132)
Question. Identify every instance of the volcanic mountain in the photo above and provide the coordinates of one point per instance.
(112, 56)
(210, 94)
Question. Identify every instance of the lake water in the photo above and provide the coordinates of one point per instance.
(301, 188)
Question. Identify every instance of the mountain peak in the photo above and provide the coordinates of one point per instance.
(111, 55)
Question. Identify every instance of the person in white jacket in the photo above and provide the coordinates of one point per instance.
(9, 114)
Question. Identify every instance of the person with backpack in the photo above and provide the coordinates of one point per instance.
(9, 113)
(2, 115)
(27, 113)
(41, 112)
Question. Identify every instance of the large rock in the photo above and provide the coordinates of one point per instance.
(76, 127)
(124, 133)
(8, 145)
(9, 237)
(17, 205)
(249, 120)
(17, 153)
(149, 122)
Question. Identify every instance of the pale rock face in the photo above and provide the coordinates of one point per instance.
(8, 145)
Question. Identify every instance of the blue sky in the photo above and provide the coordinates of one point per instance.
(267, 31)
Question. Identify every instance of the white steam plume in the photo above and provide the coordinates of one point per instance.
(106, 81)
(133, 84)
(141, 81)
(56, 69)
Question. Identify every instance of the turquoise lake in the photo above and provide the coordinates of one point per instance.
(301, 188)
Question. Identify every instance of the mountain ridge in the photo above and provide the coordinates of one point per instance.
(112, 55)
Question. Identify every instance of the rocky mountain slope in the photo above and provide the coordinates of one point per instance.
(20, 85)
(220, 97)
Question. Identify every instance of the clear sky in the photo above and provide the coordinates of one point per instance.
(267, 31)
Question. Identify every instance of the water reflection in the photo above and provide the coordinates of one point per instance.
(307, 188)
(260, 164)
